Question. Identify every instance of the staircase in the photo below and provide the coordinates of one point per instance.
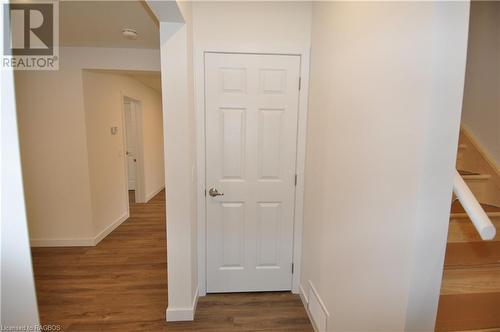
(470, 290)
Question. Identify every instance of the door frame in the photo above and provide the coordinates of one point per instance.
(199, 95)
(140, 194)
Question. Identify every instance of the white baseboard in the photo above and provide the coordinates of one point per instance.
(305, 303)
(317, 312)
(154, 193)
(80, 242)
(183, 314)
(303, 296)
(105, 232)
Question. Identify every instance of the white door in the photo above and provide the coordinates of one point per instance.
(251, 137)
(130, 135)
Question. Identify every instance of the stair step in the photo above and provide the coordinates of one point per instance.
(463, 254)
(462, 229)
(470, 299)
(459, 312)
(463, 172)
(456, 207)
(477, 177)
(469, 280)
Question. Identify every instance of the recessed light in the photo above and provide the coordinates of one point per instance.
(130, 34)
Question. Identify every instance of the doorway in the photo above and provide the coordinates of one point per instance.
(252, 103)
(133, 149)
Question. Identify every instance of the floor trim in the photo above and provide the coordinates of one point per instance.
(183, 314)
(154, 193)
(106, 231)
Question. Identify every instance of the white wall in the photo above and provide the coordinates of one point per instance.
(180, 176)
(256, 26)
(53, 141)
(18, 305)
(103, 100)
(379, 91)
(450, 21)
(481, 111)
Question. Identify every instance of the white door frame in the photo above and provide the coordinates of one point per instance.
(140, 194)
(199, 86)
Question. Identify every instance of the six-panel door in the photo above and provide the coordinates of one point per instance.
(251, 136)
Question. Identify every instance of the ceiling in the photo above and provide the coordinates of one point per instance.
(100, 24)
(151, 79)
(148, 78)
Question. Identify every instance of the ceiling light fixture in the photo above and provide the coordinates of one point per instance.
(130, 34)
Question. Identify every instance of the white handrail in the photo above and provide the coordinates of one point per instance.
(474, 210)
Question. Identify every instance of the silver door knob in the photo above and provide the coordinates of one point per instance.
(214, 192)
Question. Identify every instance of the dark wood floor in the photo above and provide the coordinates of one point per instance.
(121, 285)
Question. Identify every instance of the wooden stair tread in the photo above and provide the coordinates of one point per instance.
(472, 253)
(469, 280)
(476, 177)
(462, 229)
(459, 312)
(456, 207)
(464, 172)
(470, 298)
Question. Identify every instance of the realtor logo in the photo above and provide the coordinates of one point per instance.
(31, 32)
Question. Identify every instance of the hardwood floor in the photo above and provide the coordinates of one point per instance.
(121, 285)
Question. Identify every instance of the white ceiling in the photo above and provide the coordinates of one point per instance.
(100, 24)
(148, 78)
(153, 80)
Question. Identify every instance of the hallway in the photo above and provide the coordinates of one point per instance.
(121, 285)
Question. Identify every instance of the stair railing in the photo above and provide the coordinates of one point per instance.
(474, 210)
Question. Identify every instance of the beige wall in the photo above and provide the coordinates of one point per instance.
(481, 111)
(378, 92)
(54, 145)
(103, 100)
(54, 153)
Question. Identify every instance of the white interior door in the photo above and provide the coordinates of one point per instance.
(251, 139)
(131, 135)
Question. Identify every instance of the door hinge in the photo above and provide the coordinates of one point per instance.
(295, 180)
(205, 193)
(292, 268)
(300, 82)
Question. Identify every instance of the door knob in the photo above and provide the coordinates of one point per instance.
(214, 192)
